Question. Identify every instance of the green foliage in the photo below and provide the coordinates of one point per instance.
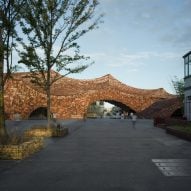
(178, 85)
(95, 108)
(52, 28)
(186, 129)
(14, 138)
(9, 15)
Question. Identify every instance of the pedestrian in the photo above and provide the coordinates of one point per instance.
(84, 116)
(122, 116)
(134, 119)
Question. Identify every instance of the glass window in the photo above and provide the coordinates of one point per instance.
(187, 66)
(189, 58)
(186, 60)
(185, 70)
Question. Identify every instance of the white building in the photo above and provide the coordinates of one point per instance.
(187, 85)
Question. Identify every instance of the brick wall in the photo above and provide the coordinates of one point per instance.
(71, 97)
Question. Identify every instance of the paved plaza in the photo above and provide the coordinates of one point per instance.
(104, 155)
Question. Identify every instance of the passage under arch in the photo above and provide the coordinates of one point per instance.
(39, 113)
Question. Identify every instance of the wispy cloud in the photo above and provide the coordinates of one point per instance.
(168, 20)
(132, 61)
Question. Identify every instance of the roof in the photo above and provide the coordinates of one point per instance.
(188, 53)
(69, 86)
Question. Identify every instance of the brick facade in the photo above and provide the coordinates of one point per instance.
(71, 97)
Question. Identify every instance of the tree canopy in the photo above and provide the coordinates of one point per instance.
(52, 28)
(178, 85)
(9, 15)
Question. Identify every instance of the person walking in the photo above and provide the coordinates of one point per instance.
(84, 116)
(134, 119)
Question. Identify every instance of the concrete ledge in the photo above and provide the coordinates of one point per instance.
(178, 133)
(21, 151)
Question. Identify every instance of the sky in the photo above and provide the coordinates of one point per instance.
(140, 42)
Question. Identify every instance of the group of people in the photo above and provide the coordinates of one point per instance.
(132, 116)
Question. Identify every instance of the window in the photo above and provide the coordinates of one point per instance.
(187, 66)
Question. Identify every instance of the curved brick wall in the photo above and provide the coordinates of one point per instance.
(71, 97)
(163, 108)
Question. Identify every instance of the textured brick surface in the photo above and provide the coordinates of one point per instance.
(163, 108)
(71, 97)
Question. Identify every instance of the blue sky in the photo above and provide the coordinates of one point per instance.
(141, 42)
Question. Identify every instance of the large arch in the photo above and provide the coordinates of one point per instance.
(71, 97)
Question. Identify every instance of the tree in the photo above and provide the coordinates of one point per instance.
(52, 28)
(96, 108)
(2, 121)
(8, 17)
(178, 85)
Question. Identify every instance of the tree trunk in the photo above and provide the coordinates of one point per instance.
(48, 107)
(2, 115)
(48, 99)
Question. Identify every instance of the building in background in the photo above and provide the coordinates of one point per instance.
(96, 109)
(187, 85)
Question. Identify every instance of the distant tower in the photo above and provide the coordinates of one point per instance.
(187, 85)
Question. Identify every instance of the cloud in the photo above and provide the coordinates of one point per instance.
(169, 20)
(117, 60)
(133, 61)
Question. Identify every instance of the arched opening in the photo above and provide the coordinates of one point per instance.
(39, 113)
(108, 109)
(178, 113)
(119, 110)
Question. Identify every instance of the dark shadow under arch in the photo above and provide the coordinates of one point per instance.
(39, 113)
(178, 113)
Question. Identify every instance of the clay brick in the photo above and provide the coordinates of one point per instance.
(71, 97)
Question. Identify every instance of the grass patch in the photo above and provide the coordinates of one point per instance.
(185, 129)
(14, 138)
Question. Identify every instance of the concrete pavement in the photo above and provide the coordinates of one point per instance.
(104, 155)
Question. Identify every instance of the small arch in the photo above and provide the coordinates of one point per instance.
(178, 113)
(39, 113)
